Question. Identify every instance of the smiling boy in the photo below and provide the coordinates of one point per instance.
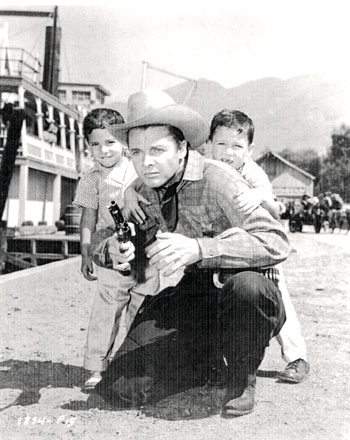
(105, 182)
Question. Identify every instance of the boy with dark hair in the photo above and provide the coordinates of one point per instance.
(105, 182)
(231, 136)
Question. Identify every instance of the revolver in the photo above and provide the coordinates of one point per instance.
(122, 229)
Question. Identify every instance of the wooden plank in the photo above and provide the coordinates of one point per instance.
(65, 249)
(18, 261)
(48, 256)
(33, 252)
(48, 237)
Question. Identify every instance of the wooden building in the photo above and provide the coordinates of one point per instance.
(51, 154)
(82, 95)
(289, 182)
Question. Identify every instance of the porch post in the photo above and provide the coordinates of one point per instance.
(39, 117)
(62, 129)
(56, 197)
(23, 193)
(21, 92)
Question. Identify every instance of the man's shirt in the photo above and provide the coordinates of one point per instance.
(207, 211)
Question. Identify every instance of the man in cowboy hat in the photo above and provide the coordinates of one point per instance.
(227, 306)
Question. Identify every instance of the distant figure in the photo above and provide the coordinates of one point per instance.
(336, 218)
(50, 130)
(297, 218)
(324, 206)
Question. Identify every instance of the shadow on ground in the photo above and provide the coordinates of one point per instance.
(189, 404)
(31, 376)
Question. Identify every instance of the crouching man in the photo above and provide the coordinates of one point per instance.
(227, 306)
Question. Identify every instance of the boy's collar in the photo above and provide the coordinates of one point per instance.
(240, 169)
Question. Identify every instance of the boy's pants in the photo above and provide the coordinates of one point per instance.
(290, 338)
(115, 294)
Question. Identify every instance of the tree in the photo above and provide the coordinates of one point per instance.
(340, 148)
(335, 175)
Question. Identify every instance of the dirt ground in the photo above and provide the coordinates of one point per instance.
(44, 318)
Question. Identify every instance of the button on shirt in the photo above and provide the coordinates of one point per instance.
(100, 185)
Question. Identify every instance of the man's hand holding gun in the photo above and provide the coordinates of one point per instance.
(121, 250)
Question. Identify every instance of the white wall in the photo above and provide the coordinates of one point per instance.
(11, 212)
(34, 211)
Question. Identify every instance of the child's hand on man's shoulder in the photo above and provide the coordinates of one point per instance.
(247, 201)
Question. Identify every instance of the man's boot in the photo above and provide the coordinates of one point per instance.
(240, 397)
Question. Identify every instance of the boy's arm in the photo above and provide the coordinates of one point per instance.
(87, 228)
(136, 184)
(250, 200)
(271, 205)
(132, 210)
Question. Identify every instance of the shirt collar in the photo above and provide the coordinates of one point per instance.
(194, 167)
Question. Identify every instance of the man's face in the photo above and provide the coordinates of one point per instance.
(155, 154)
(105, 149)
(230, 146)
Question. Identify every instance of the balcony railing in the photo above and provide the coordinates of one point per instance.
(15, 61)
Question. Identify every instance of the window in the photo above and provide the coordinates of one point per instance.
(271, 167)
(100, 96)
(30, 111)
(62, 95)
(80, 96)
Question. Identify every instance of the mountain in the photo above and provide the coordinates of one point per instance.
(297, 113)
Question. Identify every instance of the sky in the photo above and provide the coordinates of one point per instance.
(229, 42)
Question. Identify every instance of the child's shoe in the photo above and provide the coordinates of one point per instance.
(93, 380)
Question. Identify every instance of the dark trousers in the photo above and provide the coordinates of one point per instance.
(178, 334)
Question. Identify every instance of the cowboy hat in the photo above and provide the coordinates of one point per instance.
(155, 107)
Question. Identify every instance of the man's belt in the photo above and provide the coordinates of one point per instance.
(222, 275)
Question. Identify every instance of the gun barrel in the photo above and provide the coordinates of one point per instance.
(116, 213)
(122, 229)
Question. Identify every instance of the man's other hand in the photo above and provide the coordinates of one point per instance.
(172, 251)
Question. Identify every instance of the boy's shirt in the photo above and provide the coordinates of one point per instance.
(100, 185)
(255, 176)
(96, 189)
